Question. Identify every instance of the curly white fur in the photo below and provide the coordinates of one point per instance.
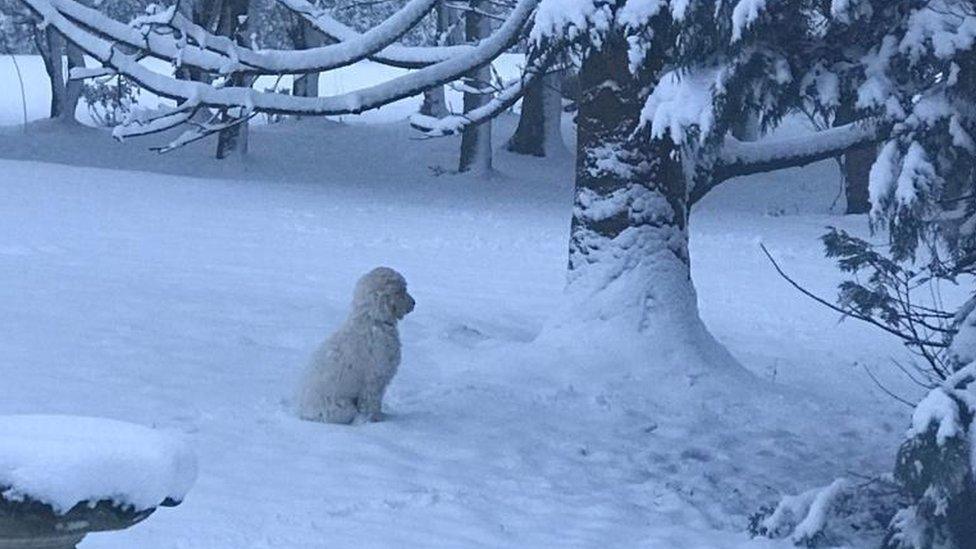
(349, 373)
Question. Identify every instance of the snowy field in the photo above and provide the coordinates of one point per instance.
(186, 293)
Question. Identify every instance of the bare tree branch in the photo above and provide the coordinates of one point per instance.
(255, 101)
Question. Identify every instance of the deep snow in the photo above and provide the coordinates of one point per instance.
(130, 291)
(66, 460)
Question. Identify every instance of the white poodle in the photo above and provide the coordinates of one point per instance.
(350, 371)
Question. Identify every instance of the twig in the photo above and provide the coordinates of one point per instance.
(885, 389)
(844, 312)
(23, 93)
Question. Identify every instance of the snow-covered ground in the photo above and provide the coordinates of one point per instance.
(186, 293)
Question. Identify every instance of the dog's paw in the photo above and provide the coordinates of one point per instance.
(374, 417)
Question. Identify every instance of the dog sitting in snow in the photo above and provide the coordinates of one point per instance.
(349, 373)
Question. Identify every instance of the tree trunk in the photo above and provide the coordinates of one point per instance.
(435, 103)
(856, 164)
(857, 173)
(73, 88)
(747, 127)
(435, 99)
(476, 150)
(203, 13)
(303, 36)
(529, 137)
(50, 44)
(629, 266)
(233, 24)
(539, 129)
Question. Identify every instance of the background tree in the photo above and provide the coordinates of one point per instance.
(539, 131)
(447, 32)
(232, 22)
(476, 147)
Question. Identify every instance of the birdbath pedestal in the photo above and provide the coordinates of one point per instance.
(28, 524)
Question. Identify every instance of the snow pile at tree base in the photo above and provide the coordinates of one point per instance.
(63, 460)
(641, 310)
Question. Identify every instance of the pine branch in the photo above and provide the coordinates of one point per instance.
(737, 158)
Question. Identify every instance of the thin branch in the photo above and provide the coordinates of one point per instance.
(844, 312)
(885, 389)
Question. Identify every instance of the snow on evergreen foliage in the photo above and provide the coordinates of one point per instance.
(681, 103)
(571, 20)
(746, 12)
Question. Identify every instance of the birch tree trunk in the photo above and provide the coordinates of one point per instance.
(476, 150)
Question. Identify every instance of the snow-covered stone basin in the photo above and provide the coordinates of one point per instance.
(62, 461)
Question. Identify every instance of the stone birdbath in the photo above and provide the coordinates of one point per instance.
(63, 477)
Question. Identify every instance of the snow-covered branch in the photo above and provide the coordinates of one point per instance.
(163, 46)
(456, 123)
(155, 121)
(221, 55)
(737, 158)
(396, 55)
(354, 102)
(201, 130)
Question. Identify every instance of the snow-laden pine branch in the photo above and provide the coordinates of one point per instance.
(222, 55)
(396, 55)
(355, 102)
(737, 158)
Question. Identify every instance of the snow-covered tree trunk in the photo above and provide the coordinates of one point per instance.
(538, 132)
(50, 43)
(476, 149)
(233, 24)
(629, 267)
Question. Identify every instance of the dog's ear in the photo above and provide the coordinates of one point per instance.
(387, 303)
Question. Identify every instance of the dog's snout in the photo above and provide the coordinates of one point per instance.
(411, 303)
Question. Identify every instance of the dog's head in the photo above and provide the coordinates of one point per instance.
(382, 293)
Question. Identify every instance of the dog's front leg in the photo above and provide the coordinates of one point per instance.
(370, 402)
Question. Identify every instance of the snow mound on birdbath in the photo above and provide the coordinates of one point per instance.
(64, 460)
